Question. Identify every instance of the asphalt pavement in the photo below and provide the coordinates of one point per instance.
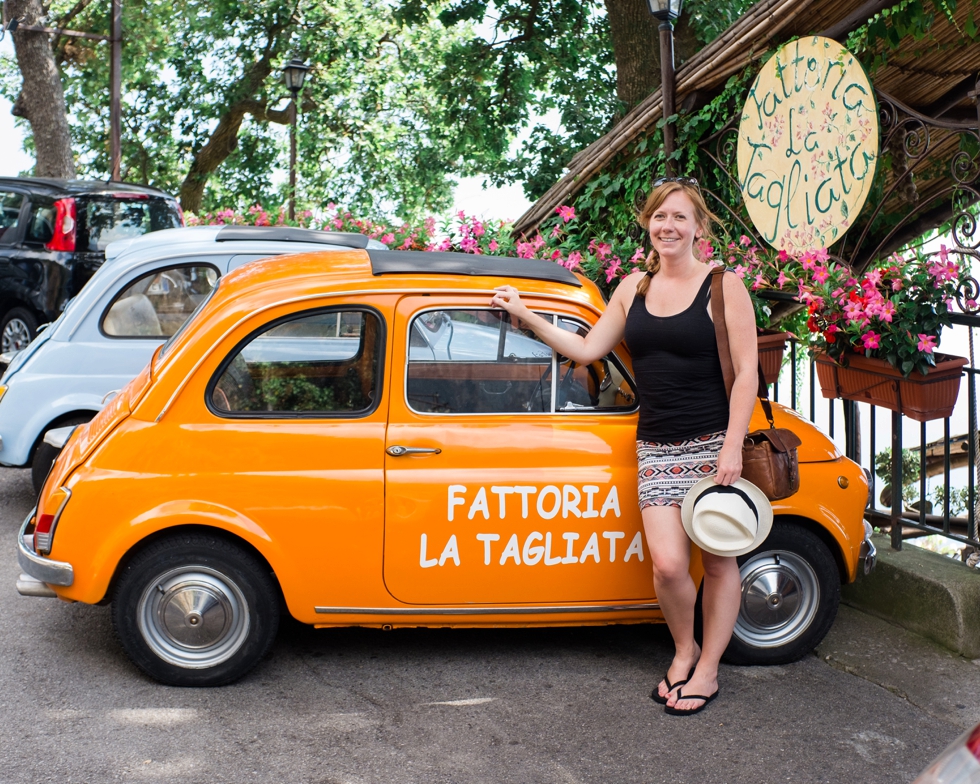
(360, 706)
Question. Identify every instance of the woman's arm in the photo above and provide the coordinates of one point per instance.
(740, 319)
(601, 339)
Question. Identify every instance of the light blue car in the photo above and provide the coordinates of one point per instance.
(147, 288)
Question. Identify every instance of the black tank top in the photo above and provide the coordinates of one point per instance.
(678, 373)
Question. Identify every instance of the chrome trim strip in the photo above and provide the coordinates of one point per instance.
(481, 610)
(58, 436)
(43, 569)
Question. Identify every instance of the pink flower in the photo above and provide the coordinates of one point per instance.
(566, 213)
(808, 260)
(759, 283)
(478, 229)
(926, 343)
(525, 250)
(388, 238)
(493, 245)
(556, 231)
(744, 241)
(573, 259)
(705, 249)
(947, 271)
(637, 256)
(870, 340)
(821, 255)
(612, 269)
(740, 270)
(872, 279)
(781, 280)
(897, 284)
(854, 310)
(821, 275)
(887, 310)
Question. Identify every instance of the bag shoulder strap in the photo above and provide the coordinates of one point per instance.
(724, 346)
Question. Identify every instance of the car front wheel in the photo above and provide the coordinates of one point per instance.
(195, 610)
(789, 600)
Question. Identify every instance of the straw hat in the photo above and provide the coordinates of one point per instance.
(726, 519)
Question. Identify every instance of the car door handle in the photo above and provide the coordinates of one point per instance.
(401, 451)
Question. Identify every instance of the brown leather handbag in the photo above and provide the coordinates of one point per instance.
(769, 459)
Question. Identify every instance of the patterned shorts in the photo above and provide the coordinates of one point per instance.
(666, 471)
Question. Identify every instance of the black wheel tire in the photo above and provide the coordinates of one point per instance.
(195, 610)
(790, 596)
(45, 454)
(18, 327)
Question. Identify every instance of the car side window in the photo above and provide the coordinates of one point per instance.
(324, 363)
(602, 386)
(10, 204)
(158, 303)
(479, 362)
(40, 228)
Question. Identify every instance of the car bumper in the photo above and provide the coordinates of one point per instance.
(868, 555)
(37, 568)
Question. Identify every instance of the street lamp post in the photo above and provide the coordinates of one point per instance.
(293, 74)
(668, 12)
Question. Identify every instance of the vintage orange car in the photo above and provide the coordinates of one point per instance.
(357, 437)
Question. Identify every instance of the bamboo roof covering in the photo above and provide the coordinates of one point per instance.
(931, 77)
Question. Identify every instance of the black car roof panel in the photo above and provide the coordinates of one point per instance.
(393, 262)
(291, 234)
(50, 186)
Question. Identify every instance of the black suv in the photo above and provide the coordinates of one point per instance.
(53, 235)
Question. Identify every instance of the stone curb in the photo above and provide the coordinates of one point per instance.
(924, 592)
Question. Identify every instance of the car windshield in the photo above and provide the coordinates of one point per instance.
(103, 220)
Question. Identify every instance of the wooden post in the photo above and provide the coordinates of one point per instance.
(667, 90)
(115, 91)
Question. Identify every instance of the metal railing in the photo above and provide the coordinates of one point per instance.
(928, 449)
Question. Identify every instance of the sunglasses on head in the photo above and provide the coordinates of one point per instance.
(683, 180)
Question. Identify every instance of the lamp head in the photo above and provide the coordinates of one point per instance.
(294, 73)
(666, 10)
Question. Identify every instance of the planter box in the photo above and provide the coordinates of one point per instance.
(772, 345)
(874, 381)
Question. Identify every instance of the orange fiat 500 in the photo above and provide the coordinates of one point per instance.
(359, 438)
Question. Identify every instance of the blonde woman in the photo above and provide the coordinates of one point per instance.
(687, 427)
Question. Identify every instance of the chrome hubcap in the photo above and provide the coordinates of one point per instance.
(193, 617)
(16, 336)
(780, 598)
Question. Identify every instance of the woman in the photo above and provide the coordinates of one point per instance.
(686, 421)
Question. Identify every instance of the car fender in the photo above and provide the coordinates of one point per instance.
(841, 515)
(25, 416)
(93, 584)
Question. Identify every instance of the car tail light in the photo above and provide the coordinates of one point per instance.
(64, 226)
(47, 520)
(972, 742)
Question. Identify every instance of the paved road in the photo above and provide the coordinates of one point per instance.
(366, 707)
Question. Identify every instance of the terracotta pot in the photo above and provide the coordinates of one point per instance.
(872, 380)
(772, 345)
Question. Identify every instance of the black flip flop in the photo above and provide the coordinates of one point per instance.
(692, 711)
(655, 694)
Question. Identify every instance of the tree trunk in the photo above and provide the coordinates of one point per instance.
(220, 145)
(636, 47)
(42, 98)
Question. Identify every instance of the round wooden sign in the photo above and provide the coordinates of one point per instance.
(807, 145)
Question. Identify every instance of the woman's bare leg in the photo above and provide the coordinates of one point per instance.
(670, 551)
(720, 605)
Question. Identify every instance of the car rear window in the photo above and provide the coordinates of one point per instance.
(104, 220)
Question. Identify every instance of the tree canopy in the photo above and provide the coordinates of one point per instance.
(402, 97)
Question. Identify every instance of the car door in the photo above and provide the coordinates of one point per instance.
(510, 473)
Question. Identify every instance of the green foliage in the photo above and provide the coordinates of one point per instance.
(372, 126)
(959, 499)
(910, 469)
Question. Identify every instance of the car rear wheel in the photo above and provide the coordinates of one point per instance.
(790, 596)
(17, 328)
(195, 610)
(45, 454)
